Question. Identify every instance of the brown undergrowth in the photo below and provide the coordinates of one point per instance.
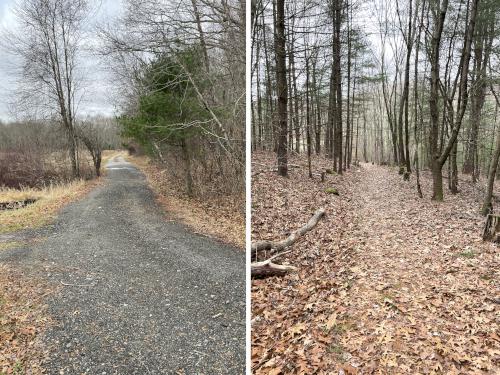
(49, 199)
(22, 318)
(387, 284)
(219, 217)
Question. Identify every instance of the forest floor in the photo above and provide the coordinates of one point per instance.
(388, 283)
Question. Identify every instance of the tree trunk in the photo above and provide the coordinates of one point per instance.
(75, 170)
(453, 170)
(318, 112)
(295, 101)
(338, 88)
(281, 87)
(269, 93)
(187, 162)
(437, 180)
(97, 163)
(416, 101)
(308, 119)
(491, 178)
(202, 35)
(348, 103)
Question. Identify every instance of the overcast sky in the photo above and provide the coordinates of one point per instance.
(99, 96)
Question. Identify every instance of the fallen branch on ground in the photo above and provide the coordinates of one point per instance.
(290, 240)
(268, 268)
(77, 285)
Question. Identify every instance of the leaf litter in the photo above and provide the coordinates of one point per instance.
(23, 319)
(388, 283)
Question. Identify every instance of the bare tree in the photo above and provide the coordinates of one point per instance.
(48, 42)
(97, 134)
(438, 156)
(214, 33)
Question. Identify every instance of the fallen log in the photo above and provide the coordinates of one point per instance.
(290, 240)
(267, 268)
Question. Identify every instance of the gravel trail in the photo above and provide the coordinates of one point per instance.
(138, 294)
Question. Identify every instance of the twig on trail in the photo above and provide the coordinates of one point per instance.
(290, 240)
(267, 268)
(78, 285)
(275, 256)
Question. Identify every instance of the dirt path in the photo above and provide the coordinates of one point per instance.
(138, 294)
(424, 284)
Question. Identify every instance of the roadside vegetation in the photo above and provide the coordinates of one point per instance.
(217, 217)
(183, 107)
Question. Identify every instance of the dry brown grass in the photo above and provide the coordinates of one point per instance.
(22, 318)
(49, 200)
(8, 245)
(222, 218)
(107, 155)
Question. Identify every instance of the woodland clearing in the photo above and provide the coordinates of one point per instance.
(386, 283)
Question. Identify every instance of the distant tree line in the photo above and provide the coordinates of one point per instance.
(409, 83)
(34, 153)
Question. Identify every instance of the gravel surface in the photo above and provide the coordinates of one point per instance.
(138, 294)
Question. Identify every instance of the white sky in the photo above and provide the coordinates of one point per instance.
(99, 94)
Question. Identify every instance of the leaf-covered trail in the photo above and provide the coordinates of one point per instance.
(388, 283)
(425, 282)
